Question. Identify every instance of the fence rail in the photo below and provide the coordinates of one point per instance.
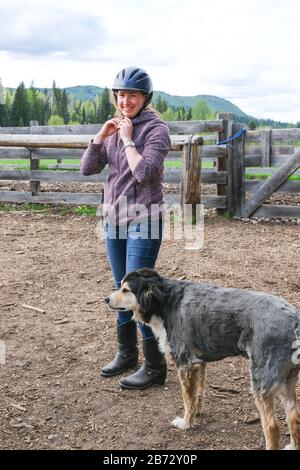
(176, 127)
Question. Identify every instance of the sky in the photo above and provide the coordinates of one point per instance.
(247, 52)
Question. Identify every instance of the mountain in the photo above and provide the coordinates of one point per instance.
(84, 93)
(90, 92)
(217, 104)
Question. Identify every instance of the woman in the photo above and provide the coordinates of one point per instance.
(134, 144)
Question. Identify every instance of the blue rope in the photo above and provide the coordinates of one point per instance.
(235, 136)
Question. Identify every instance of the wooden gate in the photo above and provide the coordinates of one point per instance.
(261, 165)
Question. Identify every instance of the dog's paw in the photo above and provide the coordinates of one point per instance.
(179, 423)
(289, 447)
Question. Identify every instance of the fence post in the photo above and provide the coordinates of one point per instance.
(237, 171)
(35, 185)
(266, 148)
(191, 175)
(222, 163)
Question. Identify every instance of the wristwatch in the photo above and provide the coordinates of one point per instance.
(129, 143)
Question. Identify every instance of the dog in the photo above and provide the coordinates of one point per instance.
(200, 323)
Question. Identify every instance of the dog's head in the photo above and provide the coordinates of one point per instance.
(142, 292)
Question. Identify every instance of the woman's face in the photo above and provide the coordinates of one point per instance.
(130, 102)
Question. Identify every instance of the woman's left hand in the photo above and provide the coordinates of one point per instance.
(126, 129)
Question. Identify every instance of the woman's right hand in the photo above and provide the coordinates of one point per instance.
(109, 128)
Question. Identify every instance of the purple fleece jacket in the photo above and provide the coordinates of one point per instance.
(144, 184)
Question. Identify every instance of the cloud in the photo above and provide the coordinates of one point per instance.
(40, 31)
(244, 52)
(281, 107)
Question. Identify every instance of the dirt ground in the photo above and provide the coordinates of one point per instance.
(52, 396)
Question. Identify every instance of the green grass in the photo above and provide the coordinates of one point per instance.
(86, 210)
(44, 164)
(226, 215)
(34, 207)
(11, 207)
(49, 209)
(260, 176)
(7, 207)
(264, 176)
(178, 164)
(294, 178)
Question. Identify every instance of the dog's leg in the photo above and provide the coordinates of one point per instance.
(201, 386)
(189, 381)
(265, 405)
(289, 401)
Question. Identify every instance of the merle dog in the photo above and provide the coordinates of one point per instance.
(200, 323)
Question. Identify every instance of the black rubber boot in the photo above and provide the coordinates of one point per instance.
(127, 354)
(153, 370)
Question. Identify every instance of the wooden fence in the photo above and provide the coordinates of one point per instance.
(271, 152)
(57, 143)
(193, 142)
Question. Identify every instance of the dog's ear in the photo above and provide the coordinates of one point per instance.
(148, 273)
(151, 302)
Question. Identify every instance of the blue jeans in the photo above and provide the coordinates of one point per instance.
(130, 247)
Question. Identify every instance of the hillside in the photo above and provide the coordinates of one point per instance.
(215, 103)
(90, 92)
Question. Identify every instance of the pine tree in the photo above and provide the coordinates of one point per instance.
(47, 108)
(1, 93)
(9, 98)
(179, 115)
(105, 108)
(164, 105)
(56, 100)
(252, 125)
(76, 115)
(36, 105)
(20, 107)
(189, 115)
(83, 119)
(2, 107)
(64, 108)
(158, 104)
(161, 105)
(52, 96)
(60, 103)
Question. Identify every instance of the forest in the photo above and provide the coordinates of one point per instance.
(56, 107)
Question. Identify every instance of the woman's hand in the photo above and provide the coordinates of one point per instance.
(109, 127)
(126, 129)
